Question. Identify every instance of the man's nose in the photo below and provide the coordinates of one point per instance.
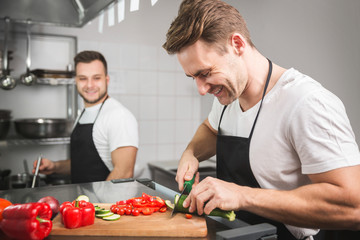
(89, 83)
(202, 86)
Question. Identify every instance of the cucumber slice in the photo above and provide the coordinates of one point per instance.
(113, 217)
(102, 211)
(169, 204)
(83, 197)
(97, 208)
(104, 215)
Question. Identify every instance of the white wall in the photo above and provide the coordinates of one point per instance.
(318, 37)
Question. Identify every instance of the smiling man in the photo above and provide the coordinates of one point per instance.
(104, 141)
(285, 151)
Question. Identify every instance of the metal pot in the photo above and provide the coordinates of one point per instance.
(43, 127)
(22, 180)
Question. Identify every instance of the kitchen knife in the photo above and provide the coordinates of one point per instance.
(187, 189)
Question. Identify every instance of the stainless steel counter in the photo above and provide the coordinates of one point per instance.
(112, 191)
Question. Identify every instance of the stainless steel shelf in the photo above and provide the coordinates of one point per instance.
(55, 81)
(42, 141)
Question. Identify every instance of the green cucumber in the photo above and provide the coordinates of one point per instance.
(104, 215)
(101, 211)
(113, 217)
(230, 215)
(169, 204)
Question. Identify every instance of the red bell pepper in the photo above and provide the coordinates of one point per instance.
(77, 214)
(29, 221)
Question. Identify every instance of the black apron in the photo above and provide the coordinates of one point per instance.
(86, 163)
(233, 165)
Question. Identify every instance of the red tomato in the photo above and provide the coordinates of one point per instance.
(128, 211)
(188, 216)
(163, 209)
(135, 212)
(121, 211)
(114, 208)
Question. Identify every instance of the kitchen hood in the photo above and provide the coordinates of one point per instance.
(69, 13)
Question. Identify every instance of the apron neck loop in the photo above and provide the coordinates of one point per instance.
(97, 112)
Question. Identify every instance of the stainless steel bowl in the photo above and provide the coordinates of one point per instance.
(43, 127)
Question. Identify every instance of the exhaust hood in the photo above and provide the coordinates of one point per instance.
(69, 13)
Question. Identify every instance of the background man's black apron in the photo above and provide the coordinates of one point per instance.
(233, 165)
(86, 163)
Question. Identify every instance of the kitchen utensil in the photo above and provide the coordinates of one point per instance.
(4, 179)
(5, 114)
(28, 78)
(187, 189)
(36, 171)
(26, 166)
(43, 127)
(6, 81)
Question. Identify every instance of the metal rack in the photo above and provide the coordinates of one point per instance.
(42, 141)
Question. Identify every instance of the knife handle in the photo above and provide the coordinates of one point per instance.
(188, 184)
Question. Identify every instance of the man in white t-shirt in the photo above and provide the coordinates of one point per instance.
(286, 153)
(104, 141)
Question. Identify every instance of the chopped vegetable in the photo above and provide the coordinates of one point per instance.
(27, 221)
(113, 217)
(230, 215)
(169, 204)
(102, 215)
(83, 197)
(188, 216)
(146, 204)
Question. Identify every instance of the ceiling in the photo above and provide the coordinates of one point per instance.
(69, 13)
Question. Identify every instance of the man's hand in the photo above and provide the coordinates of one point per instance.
(187, 167)
(46, 166)
(214, 193)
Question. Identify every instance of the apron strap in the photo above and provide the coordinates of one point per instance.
(265, 88)
(222, 113)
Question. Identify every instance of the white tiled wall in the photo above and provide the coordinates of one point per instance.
(153, 86)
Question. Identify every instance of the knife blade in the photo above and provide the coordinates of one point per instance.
(187, 189)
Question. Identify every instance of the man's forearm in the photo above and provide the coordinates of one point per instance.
(63, 167)
(203, 144)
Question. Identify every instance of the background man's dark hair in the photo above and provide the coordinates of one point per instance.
(89, 56)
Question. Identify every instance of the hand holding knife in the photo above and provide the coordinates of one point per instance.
(187, 189)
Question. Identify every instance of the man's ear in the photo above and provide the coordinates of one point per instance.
(238, 43)
(107, 78)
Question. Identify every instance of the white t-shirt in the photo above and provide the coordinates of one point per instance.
(302, 129)
(115, 127)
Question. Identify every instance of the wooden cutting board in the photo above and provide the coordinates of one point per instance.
(156, 224)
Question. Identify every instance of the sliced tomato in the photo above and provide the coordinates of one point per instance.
(147, 211)
(188, 216)
(147, 197)
(122, 202)
(163, 209)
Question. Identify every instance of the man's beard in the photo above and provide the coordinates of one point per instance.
(93, 101)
